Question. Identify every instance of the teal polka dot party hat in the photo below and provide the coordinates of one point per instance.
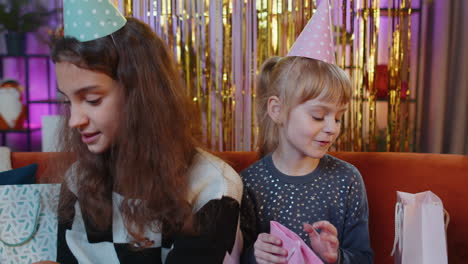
(88, 20)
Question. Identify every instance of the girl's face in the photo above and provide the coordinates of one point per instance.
(95, 104)
(311, 128)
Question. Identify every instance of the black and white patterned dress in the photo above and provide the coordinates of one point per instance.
(215, 194)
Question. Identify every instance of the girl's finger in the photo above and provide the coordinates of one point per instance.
(261, 261)
(309, 229)
(329, 238)
(270, 244)
(325, 226)
(333, 240)
(330, 256)
(330, 242)
(271, 249)
(268, 258)
(270, 239)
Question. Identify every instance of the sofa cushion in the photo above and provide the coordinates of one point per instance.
(23, 175)
(5, 160)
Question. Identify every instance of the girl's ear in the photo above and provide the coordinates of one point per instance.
(274, 109)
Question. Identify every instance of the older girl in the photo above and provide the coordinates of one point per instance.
(140, 189)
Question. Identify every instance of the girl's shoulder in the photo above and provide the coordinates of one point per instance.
(341, 168)
(211, 178)
(70, 178)
(334, 161)
(257, 167)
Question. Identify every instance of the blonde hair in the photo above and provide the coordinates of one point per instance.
(295, 80)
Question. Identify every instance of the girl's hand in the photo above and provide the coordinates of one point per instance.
(268, 249)
(326, 243)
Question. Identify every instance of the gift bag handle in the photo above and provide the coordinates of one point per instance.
(398, 223)
(446, 219)
(34, 230)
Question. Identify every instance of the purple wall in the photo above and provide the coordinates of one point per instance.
(41, 86)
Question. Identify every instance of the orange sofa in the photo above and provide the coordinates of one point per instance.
(384, 174)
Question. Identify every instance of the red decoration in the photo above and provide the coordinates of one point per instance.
(381, 83)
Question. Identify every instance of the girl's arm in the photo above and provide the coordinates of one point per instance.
(263, 247)
(355, 245)
(217, 224)
(248, 225)
(215, 192)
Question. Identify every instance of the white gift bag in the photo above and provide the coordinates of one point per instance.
(419, 229)
(28, 223)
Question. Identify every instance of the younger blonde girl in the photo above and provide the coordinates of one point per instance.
(301, 102)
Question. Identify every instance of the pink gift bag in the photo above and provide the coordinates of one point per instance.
(298, 251)
(419, 229)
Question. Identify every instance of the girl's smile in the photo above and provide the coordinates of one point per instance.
(90, 138)
(324, 143)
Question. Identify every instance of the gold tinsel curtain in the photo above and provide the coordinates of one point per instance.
(220, 45)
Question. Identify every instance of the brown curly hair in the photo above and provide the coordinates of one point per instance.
(157, 136)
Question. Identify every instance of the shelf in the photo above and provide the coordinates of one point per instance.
(384, 11)
(23, 130)
(46, 101)
(25, 56)
(412, 100)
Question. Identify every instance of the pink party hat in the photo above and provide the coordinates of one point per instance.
(316, 40)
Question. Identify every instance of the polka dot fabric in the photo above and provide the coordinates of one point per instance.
(334, 191)
(91, 19)
(316, 40)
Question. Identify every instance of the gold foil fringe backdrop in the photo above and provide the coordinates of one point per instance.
(220, 45)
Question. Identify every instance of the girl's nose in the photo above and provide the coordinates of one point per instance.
(331, 126)
(77, 117)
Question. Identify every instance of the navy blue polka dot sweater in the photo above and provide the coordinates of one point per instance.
(334, 191)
